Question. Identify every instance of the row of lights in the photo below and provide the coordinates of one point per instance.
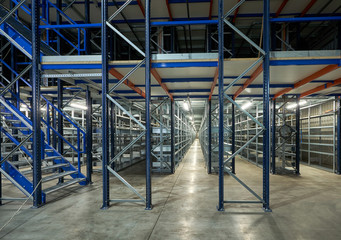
(291, 106)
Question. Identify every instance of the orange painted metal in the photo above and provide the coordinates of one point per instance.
(307, 8)
(159, 80)
(119, 76)
(169, 11)
(235, 13)
(253, 76)
(215, 79)
(141, 7)
(308, 79)
(280, 9)
(320, 88)
(210, 11)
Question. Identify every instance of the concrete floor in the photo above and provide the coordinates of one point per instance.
(304, 207)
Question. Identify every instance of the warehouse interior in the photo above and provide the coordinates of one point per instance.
(170, 119)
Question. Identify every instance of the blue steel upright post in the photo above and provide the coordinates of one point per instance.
(36, 112)
(298, 138)
(266, 107)
(88, 135)
(273, 145)
(233, 163)
(172, 136)
(148, 119)
(105, 120)
(209, 129)
(338, 148)
(221, 103)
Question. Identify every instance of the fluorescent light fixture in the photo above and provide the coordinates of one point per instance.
(136, 115)
(301, 103)
(185, 106)
(43, 109)
(75, 105)
(247, 105)
(190, 118)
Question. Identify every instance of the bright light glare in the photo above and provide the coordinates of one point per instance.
(247, 105)
(190, 118)
(78, 106)
(291, 106)
(185, 106)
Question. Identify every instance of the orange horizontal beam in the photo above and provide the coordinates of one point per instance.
(119, 76)
(159, 80)
(320, 88)
(253, 77)
(308, 79)
(215, 79)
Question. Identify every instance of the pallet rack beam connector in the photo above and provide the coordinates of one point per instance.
(36, 112)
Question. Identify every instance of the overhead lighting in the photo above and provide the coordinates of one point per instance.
(75, 105)
(247, 105)
(190, 118)
(301, 103)
(185, 106)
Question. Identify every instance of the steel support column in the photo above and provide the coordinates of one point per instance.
(266, 106)
(112, 132)
(209, 129)
(338, 147)
(36, 112)
(88, 135)
(233, 163)
(172, 136)
(105, 112)
(273, 145)
(148, 113)
(87, 31)
(60, 122)
(221, 103)
(298, 137)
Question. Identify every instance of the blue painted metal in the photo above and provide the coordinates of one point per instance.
(298, 137)
(305, 62)
(71, 26)
(209, 129)
(189, 1)
(105, 112)
(273, 145)
(148, 113)
(338, 144)
(306, 19)
(233, 147)
(183, 23)
(266, 106)
(36, 112)
(60, 122)
(221, 103)
(88, 135)
(172, 137)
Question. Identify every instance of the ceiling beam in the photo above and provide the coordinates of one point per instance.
(280, 9)
(169, 11)
(235, 13)
(215, 79)
(210, 10)
(253, 77)
(131, 85)
(141, 7)
(308, 79)
(320, 88)
(308, 7)
(159, 80)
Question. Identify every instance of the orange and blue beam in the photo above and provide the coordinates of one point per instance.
(309, 79)
(131, 85)
(320, 88)
(253, 77)
(163, 85)
(215, 79)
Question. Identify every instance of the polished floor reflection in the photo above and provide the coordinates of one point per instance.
(304, 207)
